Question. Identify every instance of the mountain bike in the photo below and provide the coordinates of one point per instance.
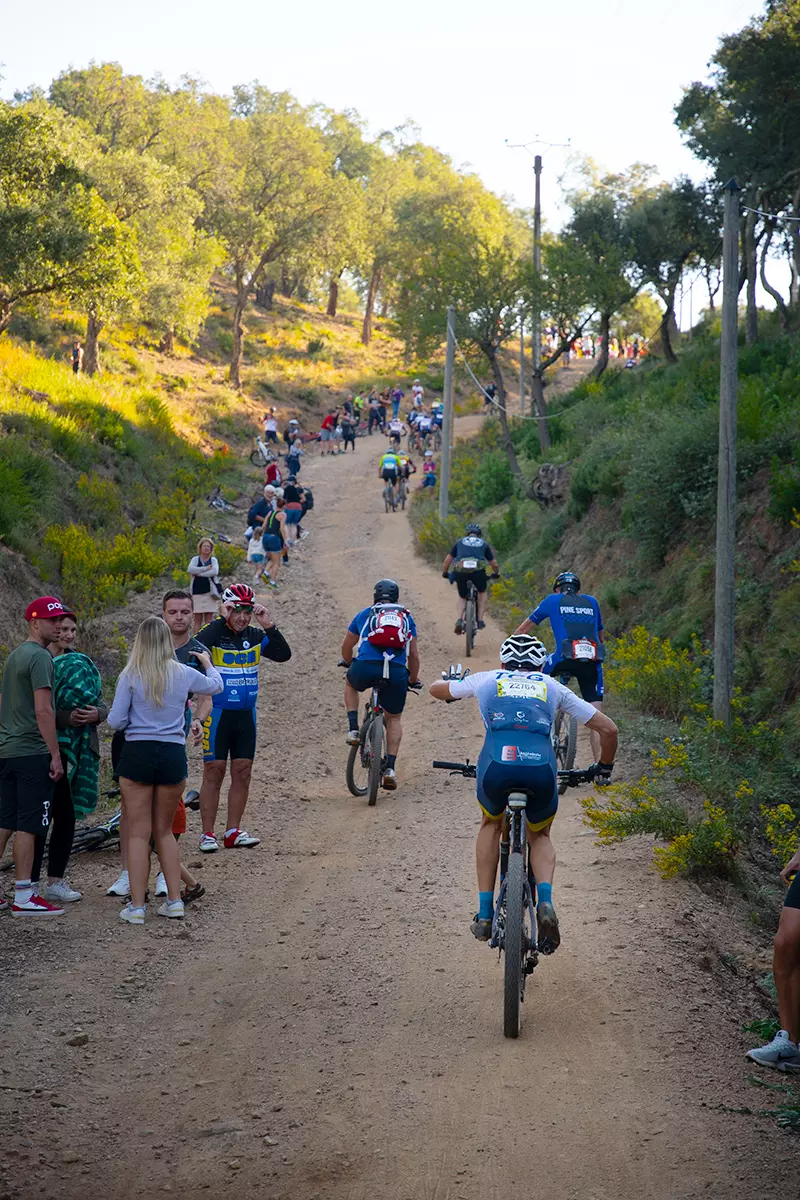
(514, 930)
(262, 455)
(471, 611)
(437, 439)
(366, 761)
(402, 491)
(389, 498)
(564, 736)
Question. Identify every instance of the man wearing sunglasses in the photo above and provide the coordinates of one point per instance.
(236, 646)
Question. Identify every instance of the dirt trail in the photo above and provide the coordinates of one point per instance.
(324, 1025)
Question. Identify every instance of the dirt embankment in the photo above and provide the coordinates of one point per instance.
(324, 1026)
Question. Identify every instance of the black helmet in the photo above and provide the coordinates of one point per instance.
(567, 581)
(386, 592)
(476, 529)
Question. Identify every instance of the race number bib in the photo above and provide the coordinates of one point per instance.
(522, 689)
(584, 650)
(470, 564)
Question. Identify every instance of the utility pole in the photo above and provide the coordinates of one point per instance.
(522, 363)
(447, 425)
(537, 263)
(726, 476)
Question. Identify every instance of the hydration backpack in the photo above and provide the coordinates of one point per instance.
(389, 627)
(309, 499)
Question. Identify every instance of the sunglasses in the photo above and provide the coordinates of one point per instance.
(245, 608)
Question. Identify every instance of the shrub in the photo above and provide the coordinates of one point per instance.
(655, 677)
(784, 491)
(504, 532)
(493, 480)
(96, 571)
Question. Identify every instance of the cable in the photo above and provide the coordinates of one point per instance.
(772, 216)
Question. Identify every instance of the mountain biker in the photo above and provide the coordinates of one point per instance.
(417, 392)
(236, 647)
(405, 466)
(578, 631)
(424, 424)
(368, 661)
(388, 467)
(518, 704)
(470, 555)
(395, 432)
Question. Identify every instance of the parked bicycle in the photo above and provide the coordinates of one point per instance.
(262, 455)
(366, 761)
(514, 930)
(402, 491)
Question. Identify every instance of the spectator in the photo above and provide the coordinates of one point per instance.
(428, 470)
(336, 434)
(783, 1052)
(294, 505)
(30, 757)
(273, 475)
(77, 357)
(384, 404)
(273, 534)
(150, 706)
(293, 458)
(417, 392)
(292, 431)
(271, 428)
(326, 432)
(398, 395)
(348, 404)
(79, 708)
(204, 570)
(374, 411)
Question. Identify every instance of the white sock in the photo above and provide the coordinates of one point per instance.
(22, 891)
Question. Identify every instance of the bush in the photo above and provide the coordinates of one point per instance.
(504, 532)
(784, 491)
(97, 572)
(653, 676)
(493, 480)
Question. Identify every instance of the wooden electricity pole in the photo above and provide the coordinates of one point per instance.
(726, 478)
(447, 424)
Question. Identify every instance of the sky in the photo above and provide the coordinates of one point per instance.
(603, 75)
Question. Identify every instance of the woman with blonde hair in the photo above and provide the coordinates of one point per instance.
(150, 706)
(204, 570)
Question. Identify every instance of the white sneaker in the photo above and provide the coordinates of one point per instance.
(62, 892)
(304, 535)
(134, 916)
(172, 908)
(781, 1053)
(352, 738)
(122, 887)
(208, 843)
(161, 884)
(389, 781)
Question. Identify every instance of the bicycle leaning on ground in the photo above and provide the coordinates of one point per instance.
(514, 922)
(261, 455)
(366, 761)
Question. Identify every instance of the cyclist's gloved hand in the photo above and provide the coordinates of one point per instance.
(454, 672)
(602, 773)
(342, 663)
(416, 686)
(445, 574)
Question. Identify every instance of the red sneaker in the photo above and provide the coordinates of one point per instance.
(238, 837)
(36, 907)
(3, 904)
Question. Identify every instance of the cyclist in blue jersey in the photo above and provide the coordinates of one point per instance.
(518, 704)
(236, 647)
(577, 627)
(367, 663)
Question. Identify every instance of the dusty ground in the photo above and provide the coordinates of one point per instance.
(324, 1025)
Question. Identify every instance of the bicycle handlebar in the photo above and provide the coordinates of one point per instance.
(470, 770)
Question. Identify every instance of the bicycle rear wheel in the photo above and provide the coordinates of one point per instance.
(469, 624)
(514, 945)
(257, 458)
(375, 758)
(565, 743)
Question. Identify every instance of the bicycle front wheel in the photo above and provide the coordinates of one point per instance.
(357, 770)
(565, 743)
(514, 945)
(257, 458)
(469, 623)
(375, 742)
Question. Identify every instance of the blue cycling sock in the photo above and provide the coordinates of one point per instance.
(352, 718)
(390, 761)
(485, 906)
(544, 893)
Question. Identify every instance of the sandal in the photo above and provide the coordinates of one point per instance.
(194, 893)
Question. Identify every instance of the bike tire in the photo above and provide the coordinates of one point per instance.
(469, 626)
(403, 499)
(89, 839)
(354, 787)
(376, 758)
(514, 948)
(257, 458)
(566, 739)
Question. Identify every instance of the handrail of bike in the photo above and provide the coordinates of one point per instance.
(469, 771)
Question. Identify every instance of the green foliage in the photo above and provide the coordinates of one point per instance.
(97, 571)
(784, 491)
(653, 676)
(493, 480)
(504, 531)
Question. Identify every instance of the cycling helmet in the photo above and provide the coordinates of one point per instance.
(428, 454)
(386, 592)
(567, 581)
(240, 595)
(473, 528)
(521, 651)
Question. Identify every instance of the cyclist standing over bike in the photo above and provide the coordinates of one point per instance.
(518, 704)
(577, 627)
(369, 657)
(467, 560)
(236, 647)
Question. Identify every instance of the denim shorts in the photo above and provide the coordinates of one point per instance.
(272, 543)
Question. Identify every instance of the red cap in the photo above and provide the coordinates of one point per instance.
(47, 608)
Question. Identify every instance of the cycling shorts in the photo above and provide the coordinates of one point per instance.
(477, 577)
(588, 674)
(364, 672)
(229, 733)
(502, 768)
(793, 895)
(389, 476)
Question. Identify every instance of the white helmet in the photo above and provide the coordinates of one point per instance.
(429, 454)
(521, 651)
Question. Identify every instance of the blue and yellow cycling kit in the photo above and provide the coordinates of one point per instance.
(389, 463)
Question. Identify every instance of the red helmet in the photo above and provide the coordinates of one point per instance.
(240, 595)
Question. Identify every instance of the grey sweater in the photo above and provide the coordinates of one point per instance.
(144, 721)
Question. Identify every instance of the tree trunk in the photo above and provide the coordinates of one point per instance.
(91, 351)
(238, 338)
(6, 313)
(508, 445)
(794, 284)
(369, 308)
(794, 227)
(168, 341)
(265, 294)
(384, 309)
(333, 295)
(605, 335)
(539, 409)
(751, 320)
(664, 330)
(780, 303)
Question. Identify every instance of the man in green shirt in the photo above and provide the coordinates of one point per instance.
(30, 760)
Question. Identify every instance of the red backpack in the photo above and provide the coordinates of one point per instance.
(389, 627)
